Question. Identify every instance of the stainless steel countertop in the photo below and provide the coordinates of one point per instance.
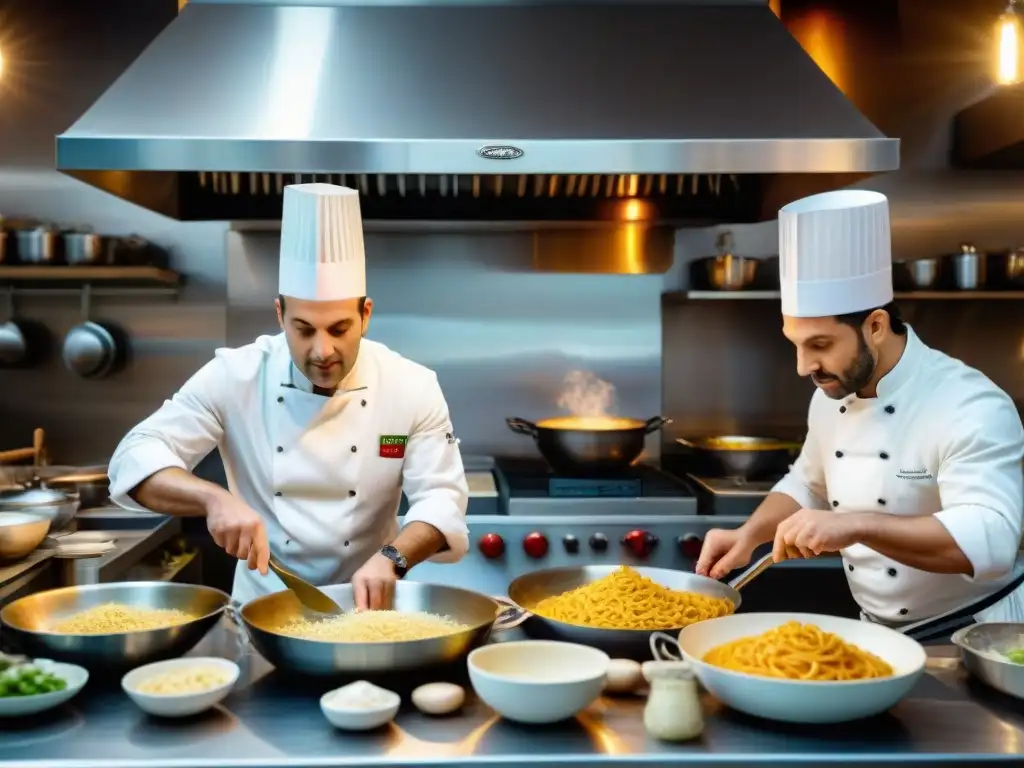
(271, 721)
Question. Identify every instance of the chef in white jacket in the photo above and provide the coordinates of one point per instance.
(319, 429)
(911, 469)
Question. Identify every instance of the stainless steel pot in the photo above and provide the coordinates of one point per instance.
(57, 507)
(741, 456)
(263, 617)
(84, 248)
(922, 273)
(20, 534)
(26, 623)
(39, 245)
(600, 444)
(531, 588)
(969, 268)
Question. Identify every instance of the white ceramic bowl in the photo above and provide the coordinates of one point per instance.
(800, 701)
(360, 718)
(179, 704)
(537, 681)
(19, 706)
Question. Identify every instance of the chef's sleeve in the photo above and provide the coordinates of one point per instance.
(805, 481)
(180, 434)
(981, 486)
(433, 477)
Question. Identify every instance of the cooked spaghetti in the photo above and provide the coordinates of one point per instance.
(373, 627)
(626, 600)
(113, 618)
(795, 651)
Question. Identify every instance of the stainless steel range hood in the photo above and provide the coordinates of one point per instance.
(451, 102)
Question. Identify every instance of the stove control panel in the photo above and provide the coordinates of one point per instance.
(491, 545)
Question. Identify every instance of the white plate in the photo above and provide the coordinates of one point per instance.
(179, 704)
(805, 701)
(19, 706)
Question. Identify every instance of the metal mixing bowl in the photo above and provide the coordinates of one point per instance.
(26, 622)
(263, 617)
(531, 588)
(981, 650)
(21, 533)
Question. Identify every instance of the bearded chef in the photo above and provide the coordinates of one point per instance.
(911, 469)
(320, 430)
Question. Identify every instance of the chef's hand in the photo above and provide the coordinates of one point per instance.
(724, 551)
(810, 532)
(239, 531)
(373, 585)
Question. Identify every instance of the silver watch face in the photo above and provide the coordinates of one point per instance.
(395, 556)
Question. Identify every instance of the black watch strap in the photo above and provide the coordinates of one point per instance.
(397, 558)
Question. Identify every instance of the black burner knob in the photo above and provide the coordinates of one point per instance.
(599, 542)
(571, 544)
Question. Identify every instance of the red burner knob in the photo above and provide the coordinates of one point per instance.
(535, 544)
(690, 545)
(640, 543)
(491, 545)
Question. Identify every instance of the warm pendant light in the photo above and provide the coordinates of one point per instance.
(1008, 45)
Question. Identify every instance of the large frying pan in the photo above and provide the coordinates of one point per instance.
(588, 445)
(531, 588)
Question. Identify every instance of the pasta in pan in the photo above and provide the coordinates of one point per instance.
(624, 599)
(795, 651)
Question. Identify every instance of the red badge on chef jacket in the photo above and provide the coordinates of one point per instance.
(393, 446)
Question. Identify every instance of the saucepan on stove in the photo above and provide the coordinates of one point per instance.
(742, 456)
(588, 444)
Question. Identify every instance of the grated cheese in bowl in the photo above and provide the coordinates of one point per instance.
(360, 695)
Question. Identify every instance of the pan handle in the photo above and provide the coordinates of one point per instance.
(751, 573)
(522, 426)
(655, 423)
(665, 647)
(233, 613)
(510, 616)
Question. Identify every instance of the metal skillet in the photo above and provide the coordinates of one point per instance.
(261, 621)
(531, 588)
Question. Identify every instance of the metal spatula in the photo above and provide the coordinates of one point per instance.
(310, 597)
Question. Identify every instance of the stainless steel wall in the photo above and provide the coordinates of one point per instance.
(58, 58)
(726, 365)
(500, 336)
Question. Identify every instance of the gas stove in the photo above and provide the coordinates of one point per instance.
(730, 496)
(522, 518)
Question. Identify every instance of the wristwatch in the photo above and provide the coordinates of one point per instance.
(396, 557)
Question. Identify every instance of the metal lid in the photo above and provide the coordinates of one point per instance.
(31, 497)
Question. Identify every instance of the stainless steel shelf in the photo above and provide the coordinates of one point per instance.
(902, 295)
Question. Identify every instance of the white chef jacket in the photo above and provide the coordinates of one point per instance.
(325, 473)
(939, 439)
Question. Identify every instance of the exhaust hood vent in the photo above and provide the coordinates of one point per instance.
(674, 111)
(990, 133)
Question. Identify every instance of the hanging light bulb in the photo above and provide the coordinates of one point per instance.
(1, 63)
(1008, 45)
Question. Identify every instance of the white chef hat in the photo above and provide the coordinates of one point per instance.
(835, 254)
(322, 257)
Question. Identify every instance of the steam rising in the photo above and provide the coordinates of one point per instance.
(584, 395)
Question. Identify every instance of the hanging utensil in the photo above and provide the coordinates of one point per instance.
(93, 350)
(310, 597)
(23, 343)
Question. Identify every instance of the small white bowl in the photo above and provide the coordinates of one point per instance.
(360, 718)
(19, 706)
(538, 681)
(178, 704)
